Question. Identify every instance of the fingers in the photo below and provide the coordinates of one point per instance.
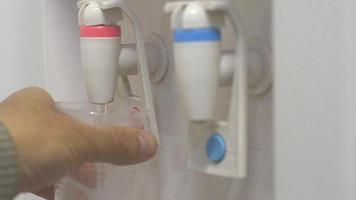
(121, 146)
(32, 96)
(47, 193)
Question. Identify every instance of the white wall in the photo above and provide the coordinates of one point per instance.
(315, 48)
(21, 46)
(62, 56)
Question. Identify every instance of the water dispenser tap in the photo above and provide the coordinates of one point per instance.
(100, 53)
(215, 147)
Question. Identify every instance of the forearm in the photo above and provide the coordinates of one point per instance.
(8, 166)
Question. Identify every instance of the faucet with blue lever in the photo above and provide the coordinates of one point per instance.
(217, 147)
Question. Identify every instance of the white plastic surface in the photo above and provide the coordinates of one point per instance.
(234, 129)
(237, 118)
(227, 67)
(196, 14)
(108, 7)
(143, 65)
(128, 60)
(100, 64)
(91, 13)
(157, 58)
(259, 68)
(197, 72)
(260, 71)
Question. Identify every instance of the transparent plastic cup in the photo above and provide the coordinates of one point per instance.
(92, 180)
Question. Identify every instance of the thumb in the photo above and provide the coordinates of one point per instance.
(119, 145)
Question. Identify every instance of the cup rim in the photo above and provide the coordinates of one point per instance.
(86, 108)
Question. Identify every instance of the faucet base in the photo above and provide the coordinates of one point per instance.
(157, 58)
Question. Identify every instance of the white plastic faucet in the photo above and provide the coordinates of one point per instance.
(100, 50)
(216, 147)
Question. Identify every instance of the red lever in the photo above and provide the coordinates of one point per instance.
(100, 31)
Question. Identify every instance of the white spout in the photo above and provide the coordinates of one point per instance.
(197, 72)
(197, 50)
(101, 88)
(100, 47)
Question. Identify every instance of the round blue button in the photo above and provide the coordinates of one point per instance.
(216, 148)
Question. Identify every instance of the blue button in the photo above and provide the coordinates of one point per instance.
(216, 148)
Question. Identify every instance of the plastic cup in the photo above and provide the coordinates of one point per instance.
(92, 180)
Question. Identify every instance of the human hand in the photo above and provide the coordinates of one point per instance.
(50, 144)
